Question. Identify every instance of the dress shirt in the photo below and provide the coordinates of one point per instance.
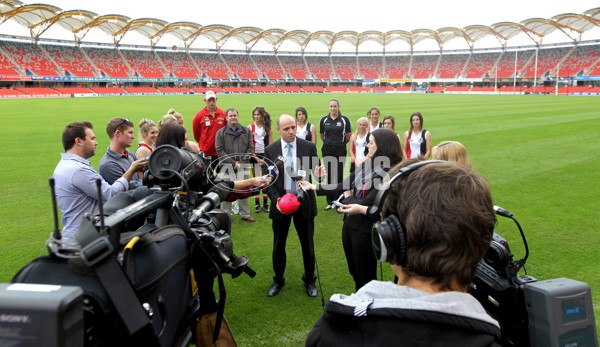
(76, 192)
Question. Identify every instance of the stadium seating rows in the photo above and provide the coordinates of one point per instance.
(21, 59)
(67, 91)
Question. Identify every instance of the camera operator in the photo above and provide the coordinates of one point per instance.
(438, 223)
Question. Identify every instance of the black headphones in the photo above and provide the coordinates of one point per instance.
(387, 236)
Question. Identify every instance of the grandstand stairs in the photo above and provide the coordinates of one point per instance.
(61, 72)
(95, 68)
(196, 67)
(131, 72)
(15, 66)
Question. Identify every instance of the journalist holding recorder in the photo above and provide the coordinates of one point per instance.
(434, 222)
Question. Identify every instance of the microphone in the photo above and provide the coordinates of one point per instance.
(56, 234)
(211, 200)
(502, 212)
(273, 170)
(295, 176)
(222, 189)
(207, 203)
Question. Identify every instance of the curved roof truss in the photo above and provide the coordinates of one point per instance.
(39, 17)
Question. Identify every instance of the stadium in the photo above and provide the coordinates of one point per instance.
(521, 96)
(41, 66)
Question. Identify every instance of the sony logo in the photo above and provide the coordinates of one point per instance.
(14, 318)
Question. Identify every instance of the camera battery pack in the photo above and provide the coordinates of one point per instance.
(560, 313)
(41, 315)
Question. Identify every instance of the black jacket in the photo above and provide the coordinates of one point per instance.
(375, 317)
(307, 160)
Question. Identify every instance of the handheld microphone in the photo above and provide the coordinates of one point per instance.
(273, 170)
(207, 203)
(502, 212)
(296, 177)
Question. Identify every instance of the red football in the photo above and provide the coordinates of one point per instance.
(288, 204)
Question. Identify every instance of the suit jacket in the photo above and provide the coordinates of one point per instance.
(307, 159)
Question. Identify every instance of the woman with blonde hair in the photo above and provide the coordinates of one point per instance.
(148, 133)
(167, 119)
(452, 151)
(174, 117)
(358, 142)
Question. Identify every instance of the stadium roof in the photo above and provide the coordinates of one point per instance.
(40, 17)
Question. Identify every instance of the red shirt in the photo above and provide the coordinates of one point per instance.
(205, 128)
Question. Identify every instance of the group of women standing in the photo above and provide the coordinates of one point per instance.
(416, 141)
(153, 135)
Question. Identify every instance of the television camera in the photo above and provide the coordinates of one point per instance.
(147, 252)
(556, 312)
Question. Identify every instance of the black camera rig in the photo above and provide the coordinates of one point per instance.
(160, 231)
(555, 312)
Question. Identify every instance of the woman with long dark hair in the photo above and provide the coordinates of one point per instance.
(262, 136)
(361, 188)
(417, 140)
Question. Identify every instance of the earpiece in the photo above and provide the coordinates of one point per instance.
(388, 236)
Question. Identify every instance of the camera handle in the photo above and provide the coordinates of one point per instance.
(238, 265)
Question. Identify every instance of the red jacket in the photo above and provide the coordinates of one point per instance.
(205, 128)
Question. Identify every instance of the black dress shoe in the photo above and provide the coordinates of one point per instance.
(274, 289)
(311, 290)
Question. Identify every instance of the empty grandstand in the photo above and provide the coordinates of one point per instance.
(35, 66)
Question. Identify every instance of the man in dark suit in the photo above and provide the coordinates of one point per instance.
(303, 156)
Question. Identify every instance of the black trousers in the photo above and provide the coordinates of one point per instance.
(335, 168)
(362, 263)
(305, 231)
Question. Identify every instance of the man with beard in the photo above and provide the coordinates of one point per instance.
(75, 178)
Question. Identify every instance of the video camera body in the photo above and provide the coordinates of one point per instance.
(150, 238)
(556, 312)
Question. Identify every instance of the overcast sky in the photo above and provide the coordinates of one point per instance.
(316, 15)
(333, 15)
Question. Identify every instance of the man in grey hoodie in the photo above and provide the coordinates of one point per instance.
(438, 220)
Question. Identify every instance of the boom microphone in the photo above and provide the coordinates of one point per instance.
(211, 200)
(207, 203)
(222, 189)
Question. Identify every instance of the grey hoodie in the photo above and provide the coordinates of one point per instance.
(378, 294)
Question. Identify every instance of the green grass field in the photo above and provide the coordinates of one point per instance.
(541, 155)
